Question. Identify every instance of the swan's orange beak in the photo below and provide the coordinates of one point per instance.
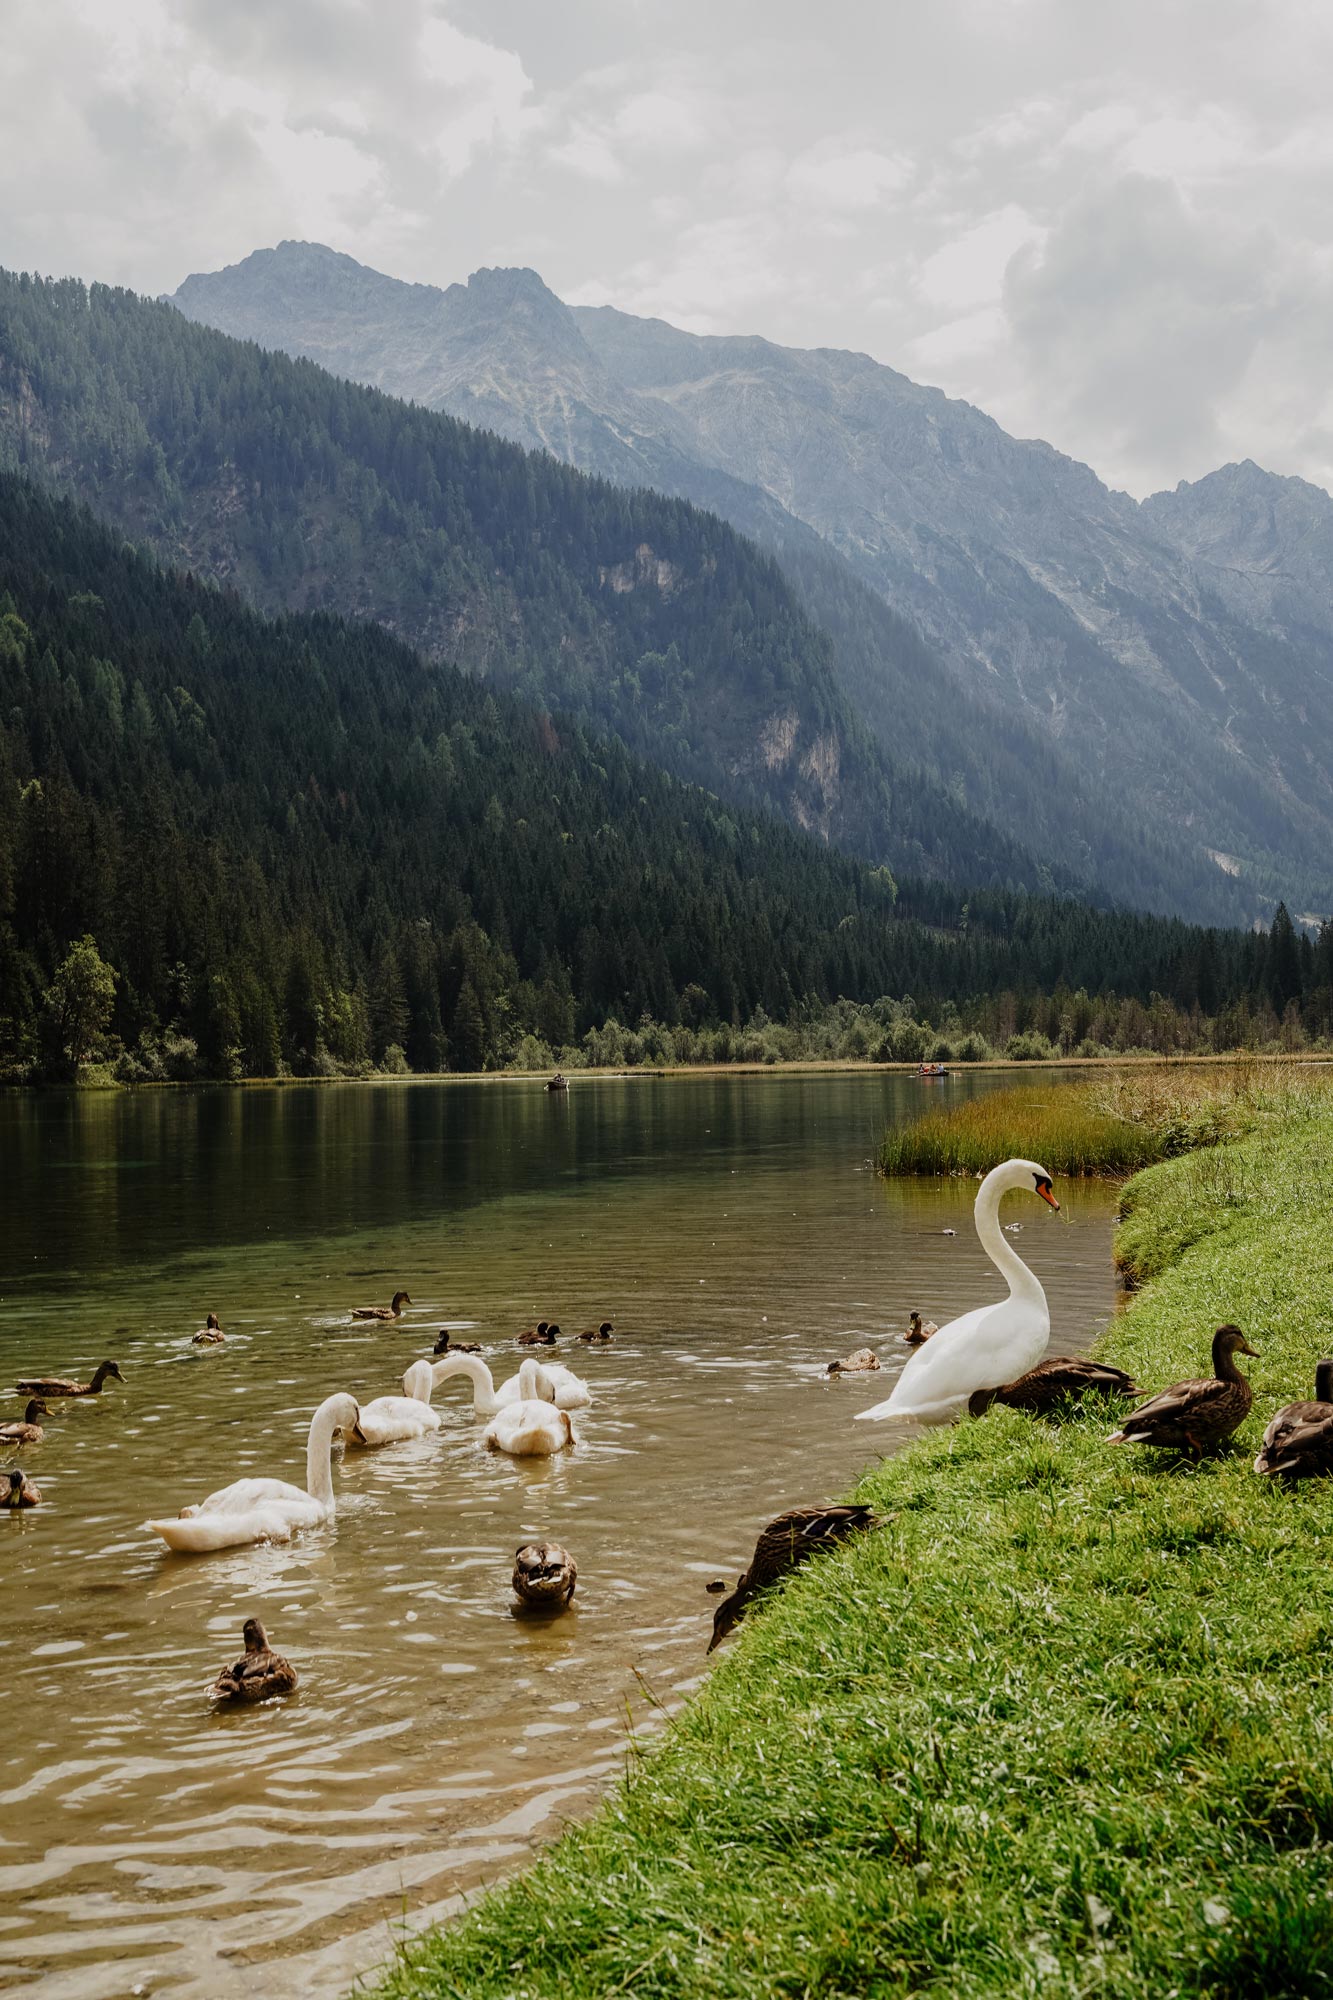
(1044, 1190)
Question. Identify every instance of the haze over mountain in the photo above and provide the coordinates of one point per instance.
(1168, 663)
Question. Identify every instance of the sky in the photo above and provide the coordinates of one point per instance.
(1109, 226)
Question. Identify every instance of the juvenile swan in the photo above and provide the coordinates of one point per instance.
(266, 1510)
(992, 1345)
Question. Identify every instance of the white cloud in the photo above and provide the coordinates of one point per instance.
(856, 178)
(970, 269)
(484, 92)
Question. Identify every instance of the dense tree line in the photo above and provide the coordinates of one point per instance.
(231, 845)
(630, 611)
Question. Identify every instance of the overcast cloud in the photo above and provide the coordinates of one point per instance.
(1110, 227)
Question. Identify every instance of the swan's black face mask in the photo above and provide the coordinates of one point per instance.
(1044, 1190)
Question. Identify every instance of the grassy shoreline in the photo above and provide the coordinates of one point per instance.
(1061, 1727)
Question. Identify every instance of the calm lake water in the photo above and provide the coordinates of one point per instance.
(732, 1228)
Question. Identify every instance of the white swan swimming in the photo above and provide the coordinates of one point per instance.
(266, 1510)
(532, 1427)
(993, 1345)
(556, 1383)
(391, 1419)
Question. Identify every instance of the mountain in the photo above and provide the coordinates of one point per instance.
(267, 842)
(636, 613)
(1090, 679)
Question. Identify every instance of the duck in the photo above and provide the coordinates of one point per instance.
(606, 1331)
(210, 1333)
(395, 1311)
(1298, 1443)
(531, 1427)
(1053, 1382)
(859, 1363)
(783, 1546)
(1190, 1416)
(266, 1510)
(20, 1491)
(61, 1385)
(555, 1384)
(991, 1345)
(391, 1419)
(918, 1329)
(259, 1673)
(446, 1344)
(544, 1334)
(29, 1431)
(544, 1575)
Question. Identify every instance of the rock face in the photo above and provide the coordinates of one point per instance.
(1135, 689)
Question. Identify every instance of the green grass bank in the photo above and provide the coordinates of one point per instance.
(1063, 1727)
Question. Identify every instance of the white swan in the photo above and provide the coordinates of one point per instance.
(993, 1345)
(532, 1427)
(390, 1419)
(555, 1383)
(266, 1510)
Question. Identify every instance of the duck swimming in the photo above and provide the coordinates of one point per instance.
(259, 1673)
(20, 1492)
(783, 1546)
(395, 1311)
(29, 1431)
(544, 1334)
(544, 1575)
(918, 1329)
(1053, 1382)
(1298, 1443)
(60, 1385)
(446, 1344)
(210, 1333)
(991, 1345)
(859, 1363)
(606, 1331)
(1192, 1416)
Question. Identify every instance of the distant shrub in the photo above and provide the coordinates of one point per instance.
(1029, 1048)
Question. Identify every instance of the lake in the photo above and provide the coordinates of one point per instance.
(733, 1229)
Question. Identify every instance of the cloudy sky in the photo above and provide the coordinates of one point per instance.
(1111, 227)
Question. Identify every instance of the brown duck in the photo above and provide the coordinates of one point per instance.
(784, 1545)
(1298, 1443)
(446, 1344)
(210, 1333)
(1192, 1416)
(606, 1331)
(1053, 1382)
(259, 1673)
(544, 1334)
(20, 1492)
(395, 1311)
(918, 1329)
(544, 1575)
(859, 1363)
(29, 1431)
(60, 1385)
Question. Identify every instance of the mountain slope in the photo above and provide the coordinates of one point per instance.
(636, 612)
(1113, 693)
(296, 842)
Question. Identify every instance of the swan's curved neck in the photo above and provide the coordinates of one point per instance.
(1022, 1282)
(319, 1455)
(471, 1365)
(529, 1381)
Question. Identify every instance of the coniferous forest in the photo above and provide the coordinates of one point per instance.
(235, 846)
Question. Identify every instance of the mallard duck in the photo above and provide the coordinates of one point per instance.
(60, 1385)
(446, 1344)
(918, 1329)
(395, 1311)
(859, 1363)
(259, 1673)
(991, 1345)
(784, 1544)
(1053, 1382)
(20, 1491)
(606, 1331)
(1191, 1416)
(544, 1334)
(544, 1575)
(29, 1431)
(1298, 1443)
(210, 1333)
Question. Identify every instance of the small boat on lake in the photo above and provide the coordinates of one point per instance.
(557, 1082)
(932, 1069)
